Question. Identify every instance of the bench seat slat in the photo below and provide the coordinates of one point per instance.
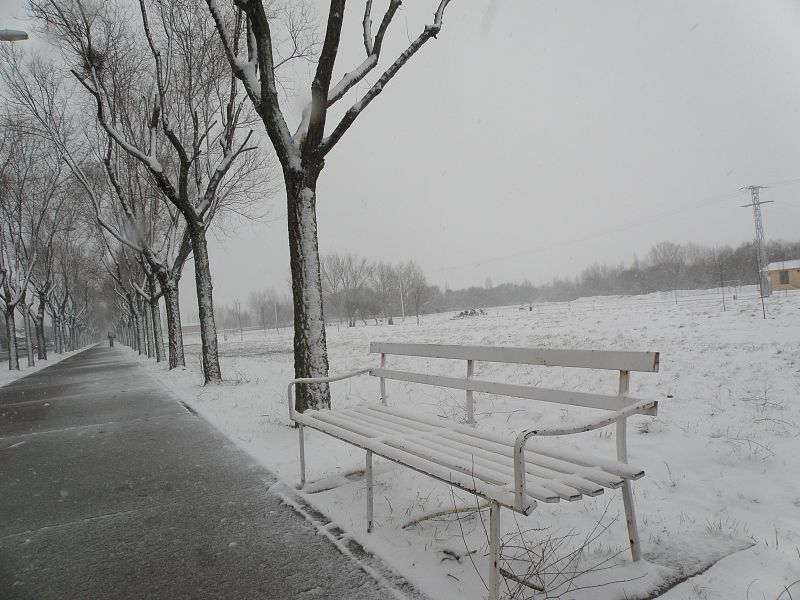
(613, 467)
(471, 468)
(585, 485)
(620, 469)
(502, 495)
(615, 360)
(490, 461)
(553, 466)
(346, 423)
(369, 409)
(380, 420)
(410, 444)
(568, 486)
(568, 397)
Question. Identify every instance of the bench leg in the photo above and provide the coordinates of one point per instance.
(370, 491)
(627, 490)
(494, 551)
(630, 519)
(302, 456)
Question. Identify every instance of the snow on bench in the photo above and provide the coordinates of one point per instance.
(506, 471)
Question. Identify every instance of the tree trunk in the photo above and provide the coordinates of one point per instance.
(26, 320)
(62, 331)
(205, 304)
(40, 328)
(310, 348)
(155, 319)
(54, 326)
(57, 334)
(148, 318)
(174, 334)
(11, 335)
(136, 322)
(140, 343)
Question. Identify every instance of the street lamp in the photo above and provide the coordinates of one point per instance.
(12, 35)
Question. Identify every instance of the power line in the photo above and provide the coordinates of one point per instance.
(599, 234)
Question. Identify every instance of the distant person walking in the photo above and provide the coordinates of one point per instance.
(111, 337)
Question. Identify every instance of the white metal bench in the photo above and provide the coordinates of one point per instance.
(506, 471)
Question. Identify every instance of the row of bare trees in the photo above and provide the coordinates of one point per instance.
(47, 265)
(355, 288)
(164, 150)
(173, 89)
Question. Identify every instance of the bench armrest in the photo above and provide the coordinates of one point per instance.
(294, 382)
(522, 439)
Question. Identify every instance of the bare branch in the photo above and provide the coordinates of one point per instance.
(356, 109)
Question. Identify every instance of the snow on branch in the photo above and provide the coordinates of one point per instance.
(147, 159)
(258, 74)
(430, 31)
(245, 70)
(368, 27)
(352, 78)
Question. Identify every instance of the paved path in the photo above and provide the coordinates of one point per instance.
(109, 488)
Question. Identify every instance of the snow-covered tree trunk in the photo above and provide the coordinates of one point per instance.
(56, 338)
(148, 319)
(174, 334)
(62, 332)
(141, 344)
(11, 336)
(39, 322)
(38, 330)
(155, 319)
(26, 320)
(310, 346)
(205, 304)
(136, 324)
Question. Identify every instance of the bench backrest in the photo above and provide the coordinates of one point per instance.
(615, 360)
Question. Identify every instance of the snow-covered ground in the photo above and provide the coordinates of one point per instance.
(7, 376)
(721, 456)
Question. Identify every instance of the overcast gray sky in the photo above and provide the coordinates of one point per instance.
(536, 137)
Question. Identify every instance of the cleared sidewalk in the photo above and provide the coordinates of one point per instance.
(110, 488)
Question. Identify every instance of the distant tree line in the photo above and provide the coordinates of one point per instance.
(359, 292)
(667, 267)
(264, 308)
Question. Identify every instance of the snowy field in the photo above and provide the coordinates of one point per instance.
(723, 475)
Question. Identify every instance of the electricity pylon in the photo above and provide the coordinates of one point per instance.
(761, 246)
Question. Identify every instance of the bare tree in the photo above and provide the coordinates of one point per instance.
(237, 306)
(302, 153)
(76, 273)
(386, 285)
(416, 287)
(265, 305)
(195, 116)
(332, 271)
(669, 259)
(29, 190)
(356, 274)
